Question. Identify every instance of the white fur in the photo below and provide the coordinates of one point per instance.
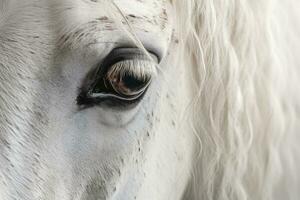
(219, 121)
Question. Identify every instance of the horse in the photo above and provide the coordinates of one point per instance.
(149, 100)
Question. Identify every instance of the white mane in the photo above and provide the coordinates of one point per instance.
(245, 113)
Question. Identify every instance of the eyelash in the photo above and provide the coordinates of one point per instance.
(105, 84)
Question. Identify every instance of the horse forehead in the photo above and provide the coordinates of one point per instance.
(84, 22)
(137, 12)
(86, 9)
(140, 9)
(143, 7)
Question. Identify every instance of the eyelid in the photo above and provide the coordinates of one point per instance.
(132, 52)
(87, 95)
(121, 54)
(138, 68)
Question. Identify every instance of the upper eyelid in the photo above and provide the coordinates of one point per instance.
(120, 54)
(117, 55)
(150, 49)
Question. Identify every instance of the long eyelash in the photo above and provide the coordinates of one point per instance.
(138, 68)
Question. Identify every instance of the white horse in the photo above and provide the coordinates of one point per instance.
(149, 100)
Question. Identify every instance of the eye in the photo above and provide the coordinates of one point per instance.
(122, 78)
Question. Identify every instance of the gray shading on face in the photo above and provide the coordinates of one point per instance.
(51, 52)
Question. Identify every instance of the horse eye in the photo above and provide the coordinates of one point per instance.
(123, 77)
(126, 81)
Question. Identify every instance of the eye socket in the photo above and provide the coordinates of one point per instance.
(122, 78)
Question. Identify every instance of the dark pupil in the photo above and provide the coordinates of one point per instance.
(133, 83)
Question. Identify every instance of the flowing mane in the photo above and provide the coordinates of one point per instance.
(243, 118)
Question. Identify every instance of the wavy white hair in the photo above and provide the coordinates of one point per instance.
(245, 114)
